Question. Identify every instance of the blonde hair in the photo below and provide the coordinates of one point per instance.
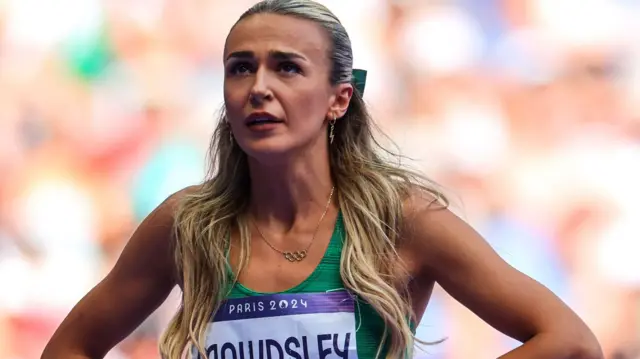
(370, 190)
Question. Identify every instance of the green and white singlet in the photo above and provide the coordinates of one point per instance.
(317, 319)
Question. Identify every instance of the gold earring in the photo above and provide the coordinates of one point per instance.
(331, 128)
(230, 132)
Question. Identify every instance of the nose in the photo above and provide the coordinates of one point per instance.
(260, 91)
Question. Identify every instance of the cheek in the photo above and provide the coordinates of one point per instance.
(234, 100)
(306, 106)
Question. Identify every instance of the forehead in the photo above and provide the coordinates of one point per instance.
(266, 32)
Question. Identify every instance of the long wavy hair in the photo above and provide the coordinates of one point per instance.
(371, 188)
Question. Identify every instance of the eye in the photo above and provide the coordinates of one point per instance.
(240, 68)
(289, 67)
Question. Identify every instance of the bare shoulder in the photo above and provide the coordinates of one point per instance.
(424, 213)
(431, 229)
(159, 225)
(162, 217)
(420, 200)
(170, 205)
(155, 237)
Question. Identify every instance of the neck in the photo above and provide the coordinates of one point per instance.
(296, 191)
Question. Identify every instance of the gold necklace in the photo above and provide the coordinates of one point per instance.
(297, 256)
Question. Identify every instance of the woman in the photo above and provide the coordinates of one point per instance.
(305, 243)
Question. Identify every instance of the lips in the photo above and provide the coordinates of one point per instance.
(261, 118)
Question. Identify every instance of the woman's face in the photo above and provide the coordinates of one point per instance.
(276, 89)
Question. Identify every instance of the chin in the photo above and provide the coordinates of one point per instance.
(268, 152)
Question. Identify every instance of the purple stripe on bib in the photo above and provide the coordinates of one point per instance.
(275, 305)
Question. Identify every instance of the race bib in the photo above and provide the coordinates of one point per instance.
(284, 326)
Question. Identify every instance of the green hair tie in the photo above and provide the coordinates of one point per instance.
(359, 79)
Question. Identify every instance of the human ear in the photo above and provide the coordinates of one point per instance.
(339, 101)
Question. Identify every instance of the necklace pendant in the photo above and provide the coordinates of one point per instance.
(295, 256)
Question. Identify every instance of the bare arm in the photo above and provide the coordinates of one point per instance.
(142, 278)
(464, 264)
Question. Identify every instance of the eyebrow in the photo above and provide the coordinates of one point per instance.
(280, 55)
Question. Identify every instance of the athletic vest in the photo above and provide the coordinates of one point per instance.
(317, 319)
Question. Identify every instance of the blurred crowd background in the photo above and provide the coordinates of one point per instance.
(526, 111)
